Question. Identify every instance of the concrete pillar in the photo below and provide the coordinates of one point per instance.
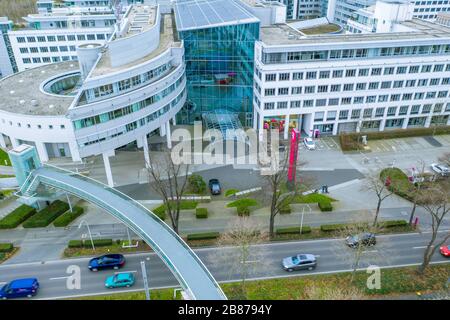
(146, 151)
(260, 126)
(448, 121)
(169, 135)
(74, 151)
(174, 121)
(109, 176)
(255, 119)
(42, 151)
(335, 128)
(405, 123)
(162, 130)
(2, 141)
(428, 121)
(382, 124)
(286, 127)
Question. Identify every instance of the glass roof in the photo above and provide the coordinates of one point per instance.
(199, 14)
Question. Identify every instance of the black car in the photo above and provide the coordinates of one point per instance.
(364, 239)
(107, 261)
(214, 186)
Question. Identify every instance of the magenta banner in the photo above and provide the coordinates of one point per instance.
(293, 154)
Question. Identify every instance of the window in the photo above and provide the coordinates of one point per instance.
(71, 37)
(361, 86)
(438, 107)
(343, 115)
(401, 70)
(297, 76)
(21, 39)
(398, 84)
(318, 116)
(388, 71)
(296, 90)
(62, 127)
(363, 72)
(442, 94)
(311, 75)
(296, 104)
(391, 111)
(431, 95)
(282, 105)
(395, 97)
(368, 113)
(61, 38)
(63, 49)
(426, 68)
(356, 113)
(350, 73)
(269, 92)
(51, 38)
(373, 85)
(347, 100)
(331, 115)
(419, 95)
(335, 88)
(308, 103)
(100, 36)
(91, 36)
(348, 87)
(403, 110)
(324, 74)
(322, 89)
(338, 73)
(271, 77)
(434, 82)
(269, 105)
(81, 37)
(283, 91)
(23, 50)
(358, 100)
(410, 83)
(379, 112)
(383, 98)
(310, 89)
(333, 101)
(415, 109)
(284, 76)
(31, 39)
(43, 49)
(41, 39)
(386, 85)
(438, 68)
(422, 82)
(413, 69)
(407, 96)
(321, 102)
(375, 72)
(371, 99)
(426, 108)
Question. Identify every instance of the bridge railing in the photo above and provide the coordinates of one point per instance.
(138, 206)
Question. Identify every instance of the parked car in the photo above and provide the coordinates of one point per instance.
(107, 261)
(20, 288)
(440, 169)
(309, 143)
(120, 280)
(364, 239)
(299, 262)
(445, 250)
(214, 186)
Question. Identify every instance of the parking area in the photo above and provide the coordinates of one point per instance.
(408, 144)
(324, 143)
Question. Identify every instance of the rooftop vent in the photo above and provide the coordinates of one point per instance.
(21, 101)
(12, 92)
(51, 106)
(34, 103)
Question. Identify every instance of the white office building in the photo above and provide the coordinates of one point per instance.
(116, 94)
(353, 82)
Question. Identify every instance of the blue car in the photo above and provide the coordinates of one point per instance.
(20, 288)
(120, 280)
(107, 261)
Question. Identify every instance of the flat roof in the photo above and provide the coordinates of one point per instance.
(19, 90)
(282, 34)
(168, 38)
(140, 18)
(200, 14)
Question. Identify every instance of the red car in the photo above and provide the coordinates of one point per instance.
(445, 250)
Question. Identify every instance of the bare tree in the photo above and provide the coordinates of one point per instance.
(415, 188)
(445, 158)
(169, 180)
(242, 257)
(380, 187)
(435, 199)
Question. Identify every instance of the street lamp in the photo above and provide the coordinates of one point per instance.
(145, 279)
(89, 231)
(303, 213)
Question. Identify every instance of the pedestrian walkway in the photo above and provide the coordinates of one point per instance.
(8, 205)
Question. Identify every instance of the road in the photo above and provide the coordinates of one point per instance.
(332, 255)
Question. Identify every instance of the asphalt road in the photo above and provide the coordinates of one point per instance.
(332, 256)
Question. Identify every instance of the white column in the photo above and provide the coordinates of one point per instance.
(405, 123)
(174, 121)
(428, 121)
(42, 151)
(335, 128)
(74, 151)
(255, 119)
(162, 130)
(2, 141)
(382, 124)
(261, 126)
(286, 127)
(109, 176)
(146, 152)
(169, 135)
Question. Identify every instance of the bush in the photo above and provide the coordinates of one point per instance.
(201, 213)
(75, 244)
(312, 198)
(325, 206)
(47, 215)
(98, 243)
(393, 223)
(243, 211)
(6, 247)
(332, 227)
(231, 192)
(2, 256)
(245, 202)
(17, 216)
(285, 209)
(65, 219)
(203, 236)
(160, 212)
(196, 184)
(187, 204)
(293, 230)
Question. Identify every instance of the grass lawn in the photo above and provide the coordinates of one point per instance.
(6, 176)
(393, 281)
(4, 158)
(7, 192)
(312, 198)
(7, 255)
(115, 247)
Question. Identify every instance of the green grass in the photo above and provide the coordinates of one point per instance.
(116, 247)
(230, 192)
(65, 219)
(47, 215)
(244, 202)
(6, 176)
(312, 198)
(4, 157)
(16, 217)
(393, 281)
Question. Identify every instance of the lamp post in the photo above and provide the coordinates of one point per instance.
(301, 219)
(89, 231)
(145, 279)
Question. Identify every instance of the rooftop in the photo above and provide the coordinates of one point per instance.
(21, 93)
(282, 34)
(140, 18)
(199, 14)
(168, 38)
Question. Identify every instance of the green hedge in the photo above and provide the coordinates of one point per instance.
(293, 230)
(160, 212)
(87, 243)
(75, 244)
(65, 219)
(230, 192)
(243, 211)
(47, 215)
(203, 236)
(6, 247)
(244, 202)
(196, 184)
(201, 213)
(285, 209)
(393, 223)
(325, 206)
(2, 256)
(333, 227)
(17, 216)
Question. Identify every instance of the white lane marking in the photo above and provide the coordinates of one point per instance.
(2, 283)
(120, 272)
(317, 255)
(369, 251)
(421, 247)
(250, 261)
(59, 278)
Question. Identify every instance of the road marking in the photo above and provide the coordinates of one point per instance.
(250, 261)
(120, 272)
(422, 247)
(59, 278)
(369, 251)
(2, 283)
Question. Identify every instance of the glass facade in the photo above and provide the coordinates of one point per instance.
(219, 70)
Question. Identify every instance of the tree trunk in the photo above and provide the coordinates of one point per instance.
(376, 213)
(429, 251)
(413, 211)
(272, 226)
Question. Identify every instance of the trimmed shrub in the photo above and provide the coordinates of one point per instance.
(293, 230)
(65, 219)
(2, 256)
(98, 243)
(6, 247)
(285, 209)
(160, 212)
(201, 213)
(393, 223)
(188, 205)
(75, 244)
(17, 216)
(231, 192)
(332, 227)
(325, 206)
(243, 211)
(47, 215)
(196, 184)
(244, 202)
(203, 236)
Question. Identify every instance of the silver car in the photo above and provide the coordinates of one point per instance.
(299, 262)
(440, 169)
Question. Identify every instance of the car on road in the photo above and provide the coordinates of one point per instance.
(120, 280)
(299, 262)
(309, 143)
(440, 169)
(445, 250)
(20, 288)
(107, 261)
(364, 239)
(214, 186)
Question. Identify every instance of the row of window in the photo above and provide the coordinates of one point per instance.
(39, 126)
(25, 50)
(48, 59)
(118, 113)
(70, 37)
(341, 73)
